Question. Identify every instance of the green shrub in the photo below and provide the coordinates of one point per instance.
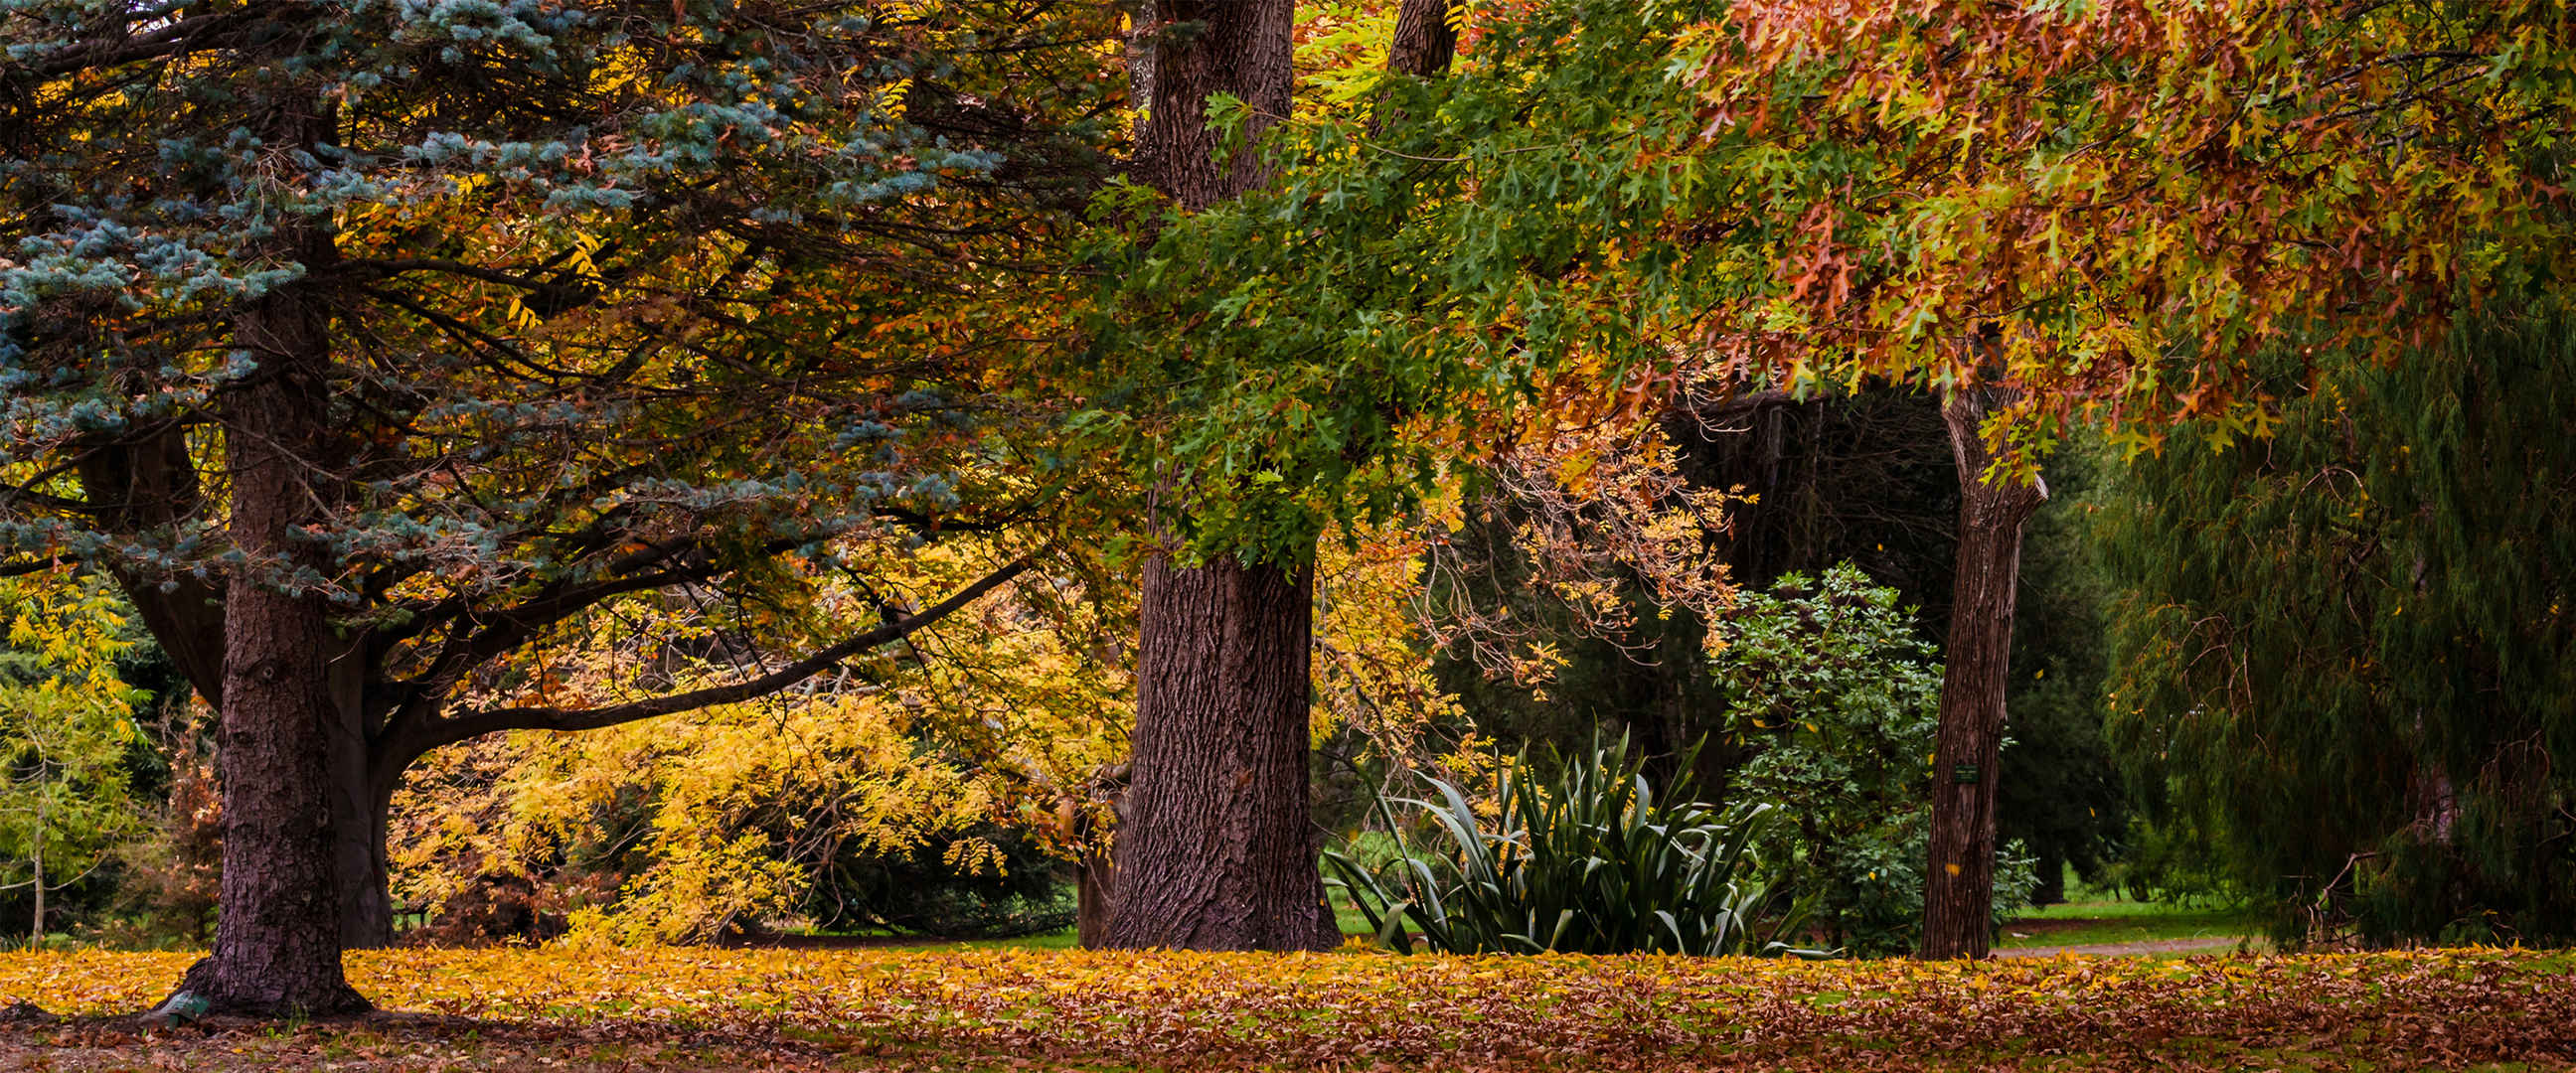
(2175, 861)
(1836, 698)
(921, 891)
(1592, 862)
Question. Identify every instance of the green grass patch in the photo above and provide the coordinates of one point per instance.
(2105, 921)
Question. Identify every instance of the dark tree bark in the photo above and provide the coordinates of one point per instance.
(146, 482)
(1959, 882)
(2052, 881)
(1217, 851)
(361, 812)
(1095, 899)
(1425, 40)
(1205, 47)
(1216, 846)
(277, 936)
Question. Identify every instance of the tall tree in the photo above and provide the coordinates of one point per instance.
(1216, 851)
(1959, 877)
(2100, 211)
(371, 349)
(1218, 847)
(2348, 647)
(1313, 352)
(1571, 231)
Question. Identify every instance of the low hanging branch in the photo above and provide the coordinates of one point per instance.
(460, 728)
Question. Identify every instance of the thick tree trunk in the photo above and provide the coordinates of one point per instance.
(1958, 887)
(1205, 47)
(277, 935)
(1217, 846)
(1425, 38)
(1218, 850)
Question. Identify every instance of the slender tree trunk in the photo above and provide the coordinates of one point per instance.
(1095, 899)
(277, 933)
(1958, 887)
(1218, 850)
(2052, 881)
(36, 931)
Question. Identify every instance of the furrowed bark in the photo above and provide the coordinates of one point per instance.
(1240, 47)
(1425, 39)
(1218, 848)
(1959, 882)
(277, 938)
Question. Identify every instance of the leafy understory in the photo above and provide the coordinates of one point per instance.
(708, 1009)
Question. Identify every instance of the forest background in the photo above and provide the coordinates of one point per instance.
(2288, 636)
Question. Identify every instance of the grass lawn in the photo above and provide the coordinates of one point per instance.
(2101, 920)
(589, 1008)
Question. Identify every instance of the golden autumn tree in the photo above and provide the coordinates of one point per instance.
(725, 819)
(2104, 211)
(2043, 212)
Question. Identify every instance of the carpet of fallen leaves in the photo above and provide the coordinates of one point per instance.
(726, 1009)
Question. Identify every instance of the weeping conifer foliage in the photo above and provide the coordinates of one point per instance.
(2346, 649)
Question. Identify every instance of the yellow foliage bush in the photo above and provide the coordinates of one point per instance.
(719, 819)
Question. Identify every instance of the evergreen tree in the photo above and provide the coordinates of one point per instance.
(2348, 647)
(370, 346)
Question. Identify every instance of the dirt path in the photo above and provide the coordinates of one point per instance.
(2210, 944)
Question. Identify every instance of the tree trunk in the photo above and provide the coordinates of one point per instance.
(1218, 851)
(361, 802)
(1959, 881)
(2052, 881)
(360, 811)
(1095, 899)
(277, 932)
(36, 931)
(1242, 47)
(1425, 39)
